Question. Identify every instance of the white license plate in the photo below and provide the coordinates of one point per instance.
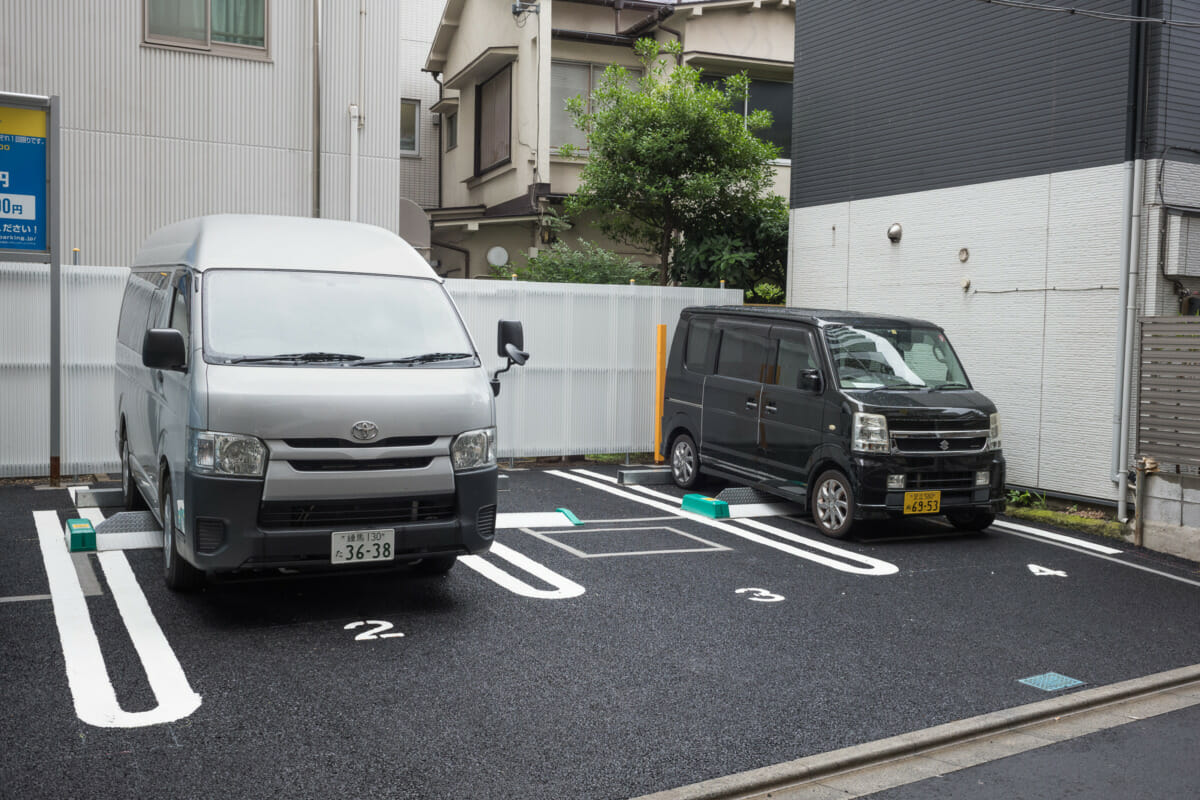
(357, 547)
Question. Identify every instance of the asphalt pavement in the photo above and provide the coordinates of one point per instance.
(638, 652)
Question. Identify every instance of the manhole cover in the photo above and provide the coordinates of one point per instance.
(1051, 682)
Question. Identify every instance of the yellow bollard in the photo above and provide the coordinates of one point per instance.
(660, 383)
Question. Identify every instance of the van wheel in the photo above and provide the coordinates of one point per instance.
(685, 466)
(437, 565)
(178, 574)
(833, 504)
(131, 498)
(970, 520)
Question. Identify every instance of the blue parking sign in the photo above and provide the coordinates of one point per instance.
(23, 175)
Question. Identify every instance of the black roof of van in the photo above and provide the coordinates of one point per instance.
(815, 316)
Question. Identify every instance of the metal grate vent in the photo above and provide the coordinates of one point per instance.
(129, 522)
(1051, 682)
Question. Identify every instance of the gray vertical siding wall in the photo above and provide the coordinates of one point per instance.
(896, 96)
(152, 135)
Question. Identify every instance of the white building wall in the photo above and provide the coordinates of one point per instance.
(152, 135)
(1037, 326)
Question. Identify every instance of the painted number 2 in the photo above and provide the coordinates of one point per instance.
(761, 595)
(374, 633)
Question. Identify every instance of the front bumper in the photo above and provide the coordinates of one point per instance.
(952, 475)
(230, 528)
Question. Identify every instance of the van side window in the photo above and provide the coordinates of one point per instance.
(135, 308)
(744, 355)
(180, 316)
(795, 355)
(699, 336)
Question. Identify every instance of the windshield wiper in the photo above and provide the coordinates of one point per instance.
(425, 358)
(297, 358)
(951, 385)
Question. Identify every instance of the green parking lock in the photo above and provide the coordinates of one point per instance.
(706, 506)
(81, 536)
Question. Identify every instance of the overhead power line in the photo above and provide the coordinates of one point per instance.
(1087, 12)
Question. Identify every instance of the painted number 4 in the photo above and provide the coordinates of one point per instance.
(374, 633)
(1046, 571)
(761, 595)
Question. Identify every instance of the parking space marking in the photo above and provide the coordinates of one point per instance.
(564, 588)
(537, 519)
(709, 547)
(1057, 537)
(860, 564)
(92, 691)
(1122, 562)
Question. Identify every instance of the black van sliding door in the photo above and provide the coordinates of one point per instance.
(792, 414)
(733, 395)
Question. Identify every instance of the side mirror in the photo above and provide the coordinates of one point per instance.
(163, 348)
(810, 380)
(510, 339)
(509, 331)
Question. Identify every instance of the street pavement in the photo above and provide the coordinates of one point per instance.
(639, 652)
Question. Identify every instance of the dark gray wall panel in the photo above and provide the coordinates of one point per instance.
(907, 95)
(1173, 121)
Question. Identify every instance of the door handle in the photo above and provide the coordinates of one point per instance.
(771, 409)
(751, 404)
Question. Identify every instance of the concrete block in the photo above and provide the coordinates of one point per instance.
(1172, 539)
(1164, 487)
(1158, 509)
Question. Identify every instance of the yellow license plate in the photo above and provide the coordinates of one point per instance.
(922, 502)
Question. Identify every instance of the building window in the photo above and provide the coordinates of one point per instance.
(451, 131)
(774, 96)
(224, 27)
(570, 79)
(493, 121)
(410, 127)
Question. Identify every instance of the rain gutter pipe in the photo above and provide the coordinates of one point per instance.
(1133, 222)
(356, 117)
(316, 110)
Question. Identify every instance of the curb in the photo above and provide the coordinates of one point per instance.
(823, 765)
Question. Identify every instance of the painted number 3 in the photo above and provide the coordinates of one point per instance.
(374, 633)
(761, 595)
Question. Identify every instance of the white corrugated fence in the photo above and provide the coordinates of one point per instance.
(588, 386)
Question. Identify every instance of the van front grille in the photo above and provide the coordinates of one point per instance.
(929, 444)
(394, 441)
(944, 481)
(356, 465)
(939, 424)
(387, 512)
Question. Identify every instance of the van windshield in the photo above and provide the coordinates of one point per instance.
(330, 318)
(894, 357)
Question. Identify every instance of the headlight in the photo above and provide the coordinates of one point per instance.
(228, 454)
(993, 442)
(474, 449)
(870, 434)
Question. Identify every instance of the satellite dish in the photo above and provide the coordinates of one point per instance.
(497, 256)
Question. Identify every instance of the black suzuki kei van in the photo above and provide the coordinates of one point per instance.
(854, 416)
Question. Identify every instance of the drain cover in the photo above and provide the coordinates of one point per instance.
(736, 495)
(129, 522)
(1051, 682)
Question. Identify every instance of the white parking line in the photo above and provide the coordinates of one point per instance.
(1057, 537)
(91, 688)
(860, 564)
(564, 588)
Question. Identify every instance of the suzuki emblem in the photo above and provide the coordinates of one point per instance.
(944, 445)
(366, 431)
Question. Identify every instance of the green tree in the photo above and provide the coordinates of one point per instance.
(591, 263)
(745, 248)
(668, 155)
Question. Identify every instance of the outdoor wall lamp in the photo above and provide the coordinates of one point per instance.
(894, 232)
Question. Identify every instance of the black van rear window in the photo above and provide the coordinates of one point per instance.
(699, 335)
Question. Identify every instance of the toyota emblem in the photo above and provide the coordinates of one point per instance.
(364, 431)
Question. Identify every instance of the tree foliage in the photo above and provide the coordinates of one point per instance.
(669, 157)
(591, 263)
(745, 248)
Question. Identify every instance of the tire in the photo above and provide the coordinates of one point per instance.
(435, 565)
(131, 498)
(178, 574)
(970, 519)
(833, 504)
(685, 464)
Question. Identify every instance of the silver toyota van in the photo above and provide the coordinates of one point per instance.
(302, 393)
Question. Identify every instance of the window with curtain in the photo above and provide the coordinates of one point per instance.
(570, 79)
(225, 27)
(773, 96)
(493, 121)
(410, 119)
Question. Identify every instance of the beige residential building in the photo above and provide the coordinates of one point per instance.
(506, 71)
